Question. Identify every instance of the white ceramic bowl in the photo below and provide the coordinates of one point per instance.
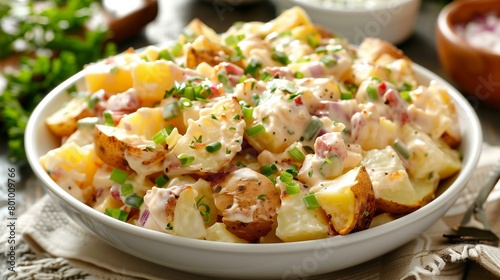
(393, 22)
(253, 260)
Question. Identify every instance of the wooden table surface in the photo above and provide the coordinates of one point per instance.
(175, 14)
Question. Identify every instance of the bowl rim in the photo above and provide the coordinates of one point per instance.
(286, 247)
(447, 27)
(352, 10)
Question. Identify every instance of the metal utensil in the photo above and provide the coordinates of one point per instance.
(469, 231)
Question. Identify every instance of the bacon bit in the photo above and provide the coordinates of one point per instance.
(382, 87)
(298, 100)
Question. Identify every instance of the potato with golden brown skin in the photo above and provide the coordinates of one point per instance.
(205, 50)
(348, 200)
(248, 202)
(121, 150)
(373, 48)
(65, 121)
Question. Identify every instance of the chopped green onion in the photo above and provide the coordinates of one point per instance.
(296, 154)
(406, 87)
(281, 57)
(328, 60)
(177, 49)
(372, 93)
(331, 167)
(222, 77)
(165, 54)
(170, 111)
(161, 180)
(401, 148)
(346, 95)
(265, 76)
(310, 201)
(127, 189)
(240, 164)
(108, 118)
(185, 160)
(160, 137)
(253, 67)
(234, 39)
(92, 102)
(269, 169)
(255, 130)
(406, 96)
(292, 169)
(213, 147)
(169, 226)
(286, 177)
(185, 103)
(117, 213)
(134, 200)
(206, 212)
(292, 187)
(312, 128)
(118, 176)
(298, 75)
(247, 112)
(321, 50)
(312, 41)
(262, 196)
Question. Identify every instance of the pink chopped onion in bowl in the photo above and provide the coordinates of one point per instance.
(482, 32)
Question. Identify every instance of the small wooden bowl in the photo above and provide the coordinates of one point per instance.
(474, 71)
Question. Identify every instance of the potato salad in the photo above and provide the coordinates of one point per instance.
(274, 131)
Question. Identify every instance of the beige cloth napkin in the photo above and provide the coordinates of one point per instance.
(51, 246)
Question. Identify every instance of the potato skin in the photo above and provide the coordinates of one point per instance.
(365, 203)
(112, 150)
(246, 213)
(65, 121)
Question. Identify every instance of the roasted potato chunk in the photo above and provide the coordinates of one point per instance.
(248, 202)
(348, 200)
(65, 121)
(121, 150)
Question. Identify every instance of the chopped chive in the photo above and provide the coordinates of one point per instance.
(134, 200)
(108, 118)
(161, 180)
(296, 154)
(169, 226)
(255, 130)
(269, 169)
(262, 196)
(310, 201)
(401, 148)
(126, 189)
(117, 213)
(213, 147)
(240, 164)
(321, 50)
(185, 159)
(118, 176)
(406, 87)
(160, 136)
(170, 111)
(313, 127)
(372, 93)
(292, 187)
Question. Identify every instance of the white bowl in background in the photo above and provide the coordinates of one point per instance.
(393, 22)
(253, 261)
